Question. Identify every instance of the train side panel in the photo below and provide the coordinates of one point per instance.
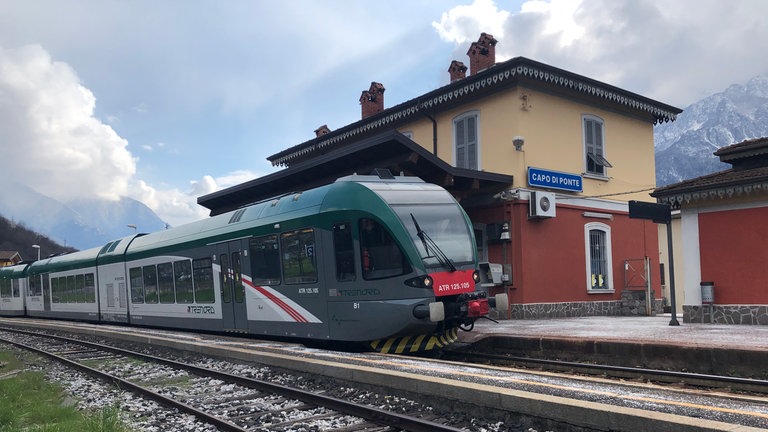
(13, 286)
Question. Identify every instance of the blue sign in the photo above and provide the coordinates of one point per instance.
(554, 179)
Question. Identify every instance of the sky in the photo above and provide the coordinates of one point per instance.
(166, 101)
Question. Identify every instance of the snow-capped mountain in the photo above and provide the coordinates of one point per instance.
(684, 147)
(81, 224)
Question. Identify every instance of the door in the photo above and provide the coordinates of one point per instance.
(233, 307)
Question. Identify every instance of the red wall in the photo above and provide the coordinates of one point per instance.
(548, 257)
(734, 254)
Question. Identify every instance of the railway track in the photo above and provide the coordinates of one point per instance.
(227, 401)
(735, 384)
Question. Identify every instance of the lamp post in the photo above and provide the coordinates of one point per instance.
(132, 226)
(38, 250)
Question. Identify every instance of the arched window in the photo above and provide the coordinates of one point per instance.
(595, 162)
(597, 244)
(466, 138)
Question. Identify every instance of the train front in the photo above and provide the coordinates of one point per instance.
(442, 252)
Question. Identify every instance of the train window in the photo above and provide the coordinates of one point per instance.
(299, 256)
(203, 272)
(182, 274)
(137, 285)
(90, 288)
(344, 251)
(381, 256)
(5, 288)
(79, 292)
(150, 284)
(35, 287)
(265, 260)
(70, 296)
(226, 288)
(55, 289)
(237, 278)
(16, 291)
(165, 283)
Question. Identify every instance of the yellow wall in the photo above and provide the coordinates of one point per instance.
(552, 127)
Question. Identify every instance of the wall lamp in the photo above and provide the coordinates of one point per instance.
(518, 141)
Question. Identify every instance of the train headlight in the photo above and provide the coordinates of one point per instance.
(476, 276)
(420, 282)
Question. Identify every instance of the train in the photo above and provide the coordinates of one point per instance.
(382, 261)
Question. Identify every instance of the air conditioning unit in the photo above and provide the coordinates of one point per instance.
(542, 204)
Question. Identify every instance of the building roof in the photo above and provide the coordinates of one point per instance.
(749, 175)
(9, 256)
(516, 71)
(389, 150)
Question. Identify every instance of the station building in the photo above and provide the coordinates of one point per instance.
(543, 160)
(723, 237)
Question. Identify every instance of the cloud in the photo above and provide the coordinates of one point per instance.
(51, 141)
(178, 207)
(675, 52)
(47, 124)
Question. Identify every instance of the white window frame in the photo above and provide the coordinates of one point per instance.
(587, 146)
(463, 118)
(608, 257)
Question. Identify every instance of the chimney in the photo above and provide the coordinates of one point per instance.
(372, 100)
(482, 54)
(457, 70)
(322, 130)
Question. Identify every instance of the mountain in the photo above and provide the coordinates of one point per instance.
(16, 237)
(684, 147)
(83, 223)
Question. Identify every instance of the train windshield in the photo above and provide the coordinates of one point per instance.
(439, 232)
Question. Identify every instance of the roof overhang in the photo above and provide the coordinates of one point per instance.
(390, 150)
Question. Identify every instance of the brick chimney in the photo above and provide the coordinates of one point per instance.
(372, 100)
(457, 70)
(482, 54)
(322, 130)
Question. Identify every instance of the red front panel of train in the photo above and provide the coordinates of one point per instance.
(451, 283)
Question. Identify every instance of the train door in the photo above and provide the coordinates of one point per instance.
(233, 307)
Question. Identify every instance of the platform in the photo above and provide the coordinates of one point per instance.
(632, 341)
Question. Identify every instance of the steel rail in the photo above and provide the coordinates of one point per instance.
(689, 378)
(372, 414)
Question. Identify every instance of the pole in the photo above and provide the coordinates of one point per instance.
(673, 321)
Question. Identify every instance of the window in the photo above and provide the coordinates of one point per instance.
(150, 284)
(165, 283)
(598, 254)
(594, 148)
(381, 256)
(299, 256)
(466, 140)
(90, 288)
(5, 288)
(203, 273)
(224, 279)
(265, 260)
(16, 292)
(137, 285)
(344, 251)
(237, 278)
(182, 275)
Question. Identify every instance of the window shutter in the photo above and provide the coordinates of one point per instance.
(461, 144)
(472, 142)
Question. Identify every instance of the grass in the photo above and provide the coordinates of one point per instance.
(28, 402)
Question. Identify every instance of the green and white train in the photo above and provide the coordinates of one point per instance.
(389, 262)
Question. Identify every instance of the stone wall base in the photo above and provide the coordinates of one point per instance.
(633, 305)
(726, 314)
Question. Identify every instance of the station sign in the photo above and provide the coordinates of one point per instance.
(554, 179)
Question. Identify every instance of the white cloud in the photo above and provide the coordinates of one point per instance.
(465, 23)
(675, 52)
(178, 207)
(51, 141)
(47, 124)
